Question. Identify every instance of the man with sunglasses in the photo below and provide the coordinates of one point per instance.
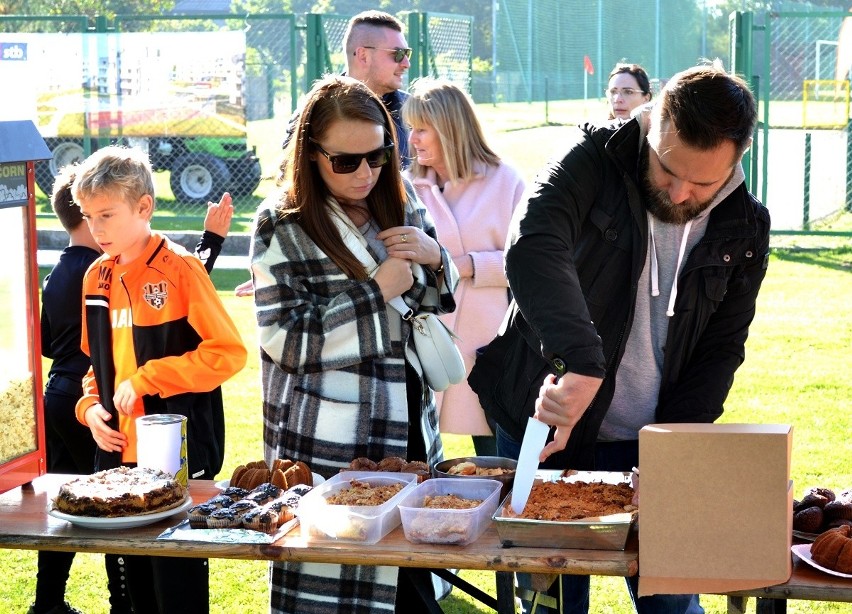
(635, 267)
(377, 54)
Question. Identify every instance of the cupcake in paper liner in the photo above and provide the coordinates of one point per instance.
(235, 493)
(223, 518)
(261, 519)
(243, 507)
(198, 515)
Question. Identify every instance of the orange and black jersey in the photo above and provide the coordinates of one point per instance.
(159, 323)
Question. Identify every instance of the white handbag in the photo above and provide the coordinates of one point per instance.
(439, 356)
(436, 347)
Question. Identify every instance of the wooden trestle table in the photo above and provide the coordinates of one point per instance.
(25, 524)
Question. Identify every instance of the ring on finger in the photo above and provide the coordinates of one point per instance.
(404, 238)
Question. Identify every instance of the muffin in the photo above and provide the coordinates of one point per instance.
(838, 510)
(299, 489)
(221, 501)
(391, 463)
(264, 493)
(285, 506)
(261, 519)
(235, 493)
(198, 515)
(418, 468)
(243, 507)
(363, 464)
(808, 520)
(223, 518)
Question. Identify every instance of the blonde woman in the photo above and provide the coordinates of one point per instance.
(471, 194)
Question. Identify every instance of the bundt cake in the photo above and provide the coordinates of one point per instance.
(833, 549)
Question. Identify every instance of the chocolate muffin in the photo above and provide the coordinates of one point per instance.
(808, 520)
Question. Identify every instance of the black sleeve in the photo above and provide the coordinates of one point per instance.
(46, 339)
(208, 248)
(540, 262)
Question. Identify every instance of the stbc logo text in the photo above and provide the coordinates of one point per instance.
(13, 51)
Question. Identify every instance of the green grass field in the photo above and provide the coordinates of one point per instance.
(796, 372)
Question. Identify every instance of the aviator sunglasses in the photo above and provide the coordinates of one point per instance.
(343, 164)
(398, 52)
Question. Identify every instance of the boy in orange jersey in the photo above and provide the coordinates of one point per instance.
(160, 341)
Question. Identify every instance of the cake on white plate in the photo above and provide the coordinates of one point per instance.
(123, 491)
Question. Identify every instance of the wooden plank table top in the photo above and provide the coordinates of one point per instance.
(25, 524)
(806, 583)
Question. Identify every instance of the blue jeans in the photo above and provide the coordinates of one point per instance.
(610, 456)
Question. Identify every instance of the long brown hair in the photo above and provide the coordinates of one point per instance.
(337, 98)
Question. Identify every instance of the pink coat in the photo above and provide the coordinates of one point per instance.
(473, 218)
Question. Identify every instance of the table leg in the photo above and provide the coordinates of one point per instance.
(771, 606)
(737, 605)
(505, 583)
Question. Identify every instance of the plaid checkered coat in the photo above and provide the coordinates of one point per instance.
(333, 377)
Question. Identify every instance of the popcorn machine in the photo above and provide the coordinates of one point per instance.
(22, 444)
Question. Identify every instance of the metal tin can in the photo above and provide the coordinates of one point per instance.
(161, 444)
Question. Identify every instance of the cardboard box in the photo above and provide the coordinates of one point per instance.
(715, 507)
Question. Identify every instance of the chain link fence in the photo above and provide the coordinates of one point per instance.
(442, 47)
(540, 46)
(207, 96)
(800, 62)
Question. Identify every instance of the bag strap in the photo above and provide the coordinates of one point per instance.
(404, 310)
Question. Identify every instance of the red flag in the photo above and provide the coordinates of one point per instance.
(587, 65)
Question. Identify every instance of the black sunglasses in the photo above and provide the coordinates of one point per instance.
(343, 164)
(398, 52)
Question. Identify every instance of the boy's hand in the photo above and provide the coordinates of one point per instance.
(107, 439)
(245, 289)
(218, 218)
(125, 398)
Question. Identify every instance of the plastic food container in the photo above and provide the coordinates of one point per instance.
(449, 526)
(362, 524)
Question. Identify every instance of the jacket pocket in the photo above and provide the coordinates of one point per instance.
(507, 376)
(715, 284)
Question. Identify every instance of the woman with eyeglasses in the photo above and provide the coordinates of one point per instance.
(343, 237)
(471, 194)
(628, 88)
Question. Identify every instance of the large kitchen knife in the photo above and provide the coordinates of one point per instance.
(535, 436)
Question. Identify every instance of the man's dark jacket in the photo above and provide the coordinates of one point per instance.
(576, 255)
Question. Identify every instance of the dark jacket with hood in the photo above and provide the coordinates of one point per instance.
(576, 252)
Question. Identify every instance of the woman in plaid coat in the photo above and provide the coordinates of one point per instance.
(341, 378)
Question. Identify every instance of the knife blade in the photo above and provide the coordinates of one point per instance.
(535, 436)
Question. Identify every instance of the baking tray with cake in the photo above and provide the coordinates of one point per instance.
(236, 515)
(609, 531)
